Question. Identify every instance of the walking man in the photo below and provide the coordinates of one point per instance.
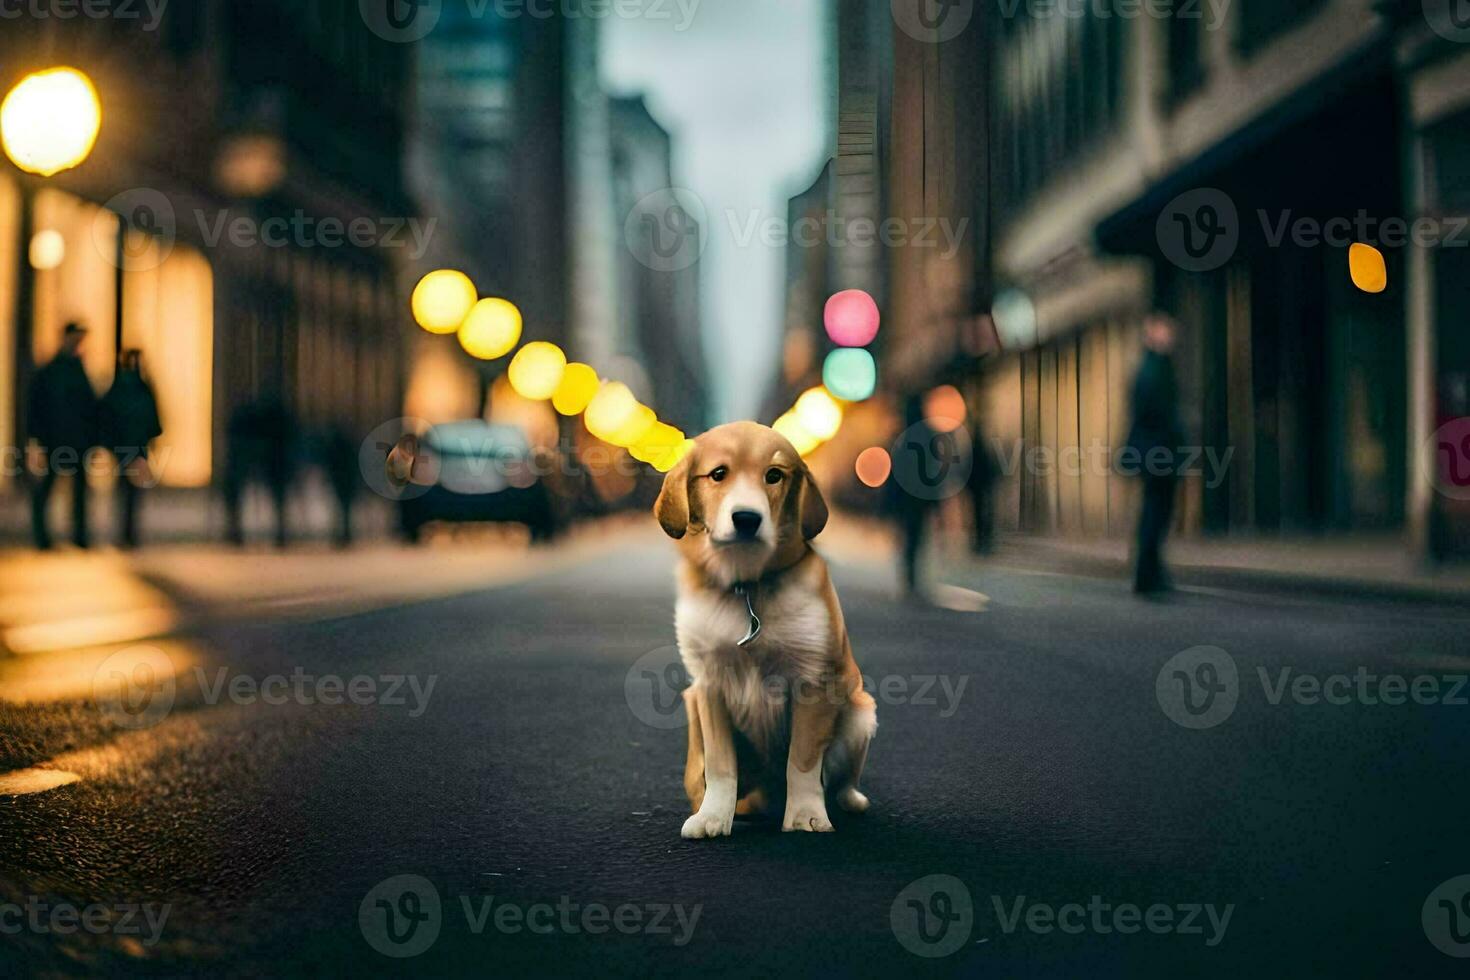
(130, 422)
(1154, 440)
(63, 423)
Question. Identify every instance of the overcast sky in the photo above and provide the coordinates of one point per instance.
(743, 90)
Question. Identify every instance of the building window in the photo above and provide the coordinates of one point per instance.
(1261, 20)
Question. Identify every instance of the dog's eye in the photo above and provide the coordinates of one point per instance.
(718, 474)
(774, 475)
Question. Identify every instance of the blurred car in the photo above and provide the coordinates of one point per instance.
(479, 473)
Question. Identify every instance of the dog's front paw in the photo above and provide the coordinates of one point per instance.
(808, 815)
(707, 823)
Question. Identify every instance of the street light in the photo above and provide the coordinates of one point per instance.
(492, 329)
(49, 122)
(442, 300)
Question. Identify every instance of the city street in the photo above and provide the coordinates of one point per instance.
(506, 736)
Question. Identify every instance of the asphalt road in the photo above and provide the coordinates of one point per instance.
(1027, 752)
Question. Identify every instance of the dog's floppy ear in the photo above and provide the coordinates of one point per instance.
(813, 509)
(672, 506)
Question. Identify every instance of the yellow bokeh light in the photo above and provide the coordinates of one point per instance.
(819, 413)
(578, 386)
(536, 370)
(616, 417)
(1368, 268)
(673, 459)
(49, 122)
(797, 434)
(657, 444)
(492, 329)
(442, 300)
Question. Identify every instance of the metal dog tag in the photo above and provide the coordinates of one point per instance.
(755, 621)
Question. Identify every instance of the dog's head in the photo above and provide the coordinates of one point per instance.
(741, 501)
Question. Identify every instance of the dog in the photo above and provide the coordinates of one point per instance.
(761, 634)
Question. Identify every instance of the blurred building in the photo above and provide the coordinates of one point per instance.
(210, 226)
(487, 159)
(1124, 149)
(658, 310)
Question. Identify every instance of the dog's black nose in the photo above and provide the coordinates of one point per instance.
(747, 523)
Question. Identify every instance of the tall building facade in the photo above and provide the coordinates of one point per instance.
(240, 220)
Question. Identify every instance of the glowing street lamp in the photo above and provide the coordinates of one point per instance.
(442, 300)
(49, 122)
(536, 370)
(491, 330)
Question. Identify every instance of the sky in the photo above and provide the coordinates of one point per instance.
(743, 88)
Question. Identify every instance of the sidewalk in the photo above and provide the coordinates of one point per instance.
(1346, 566)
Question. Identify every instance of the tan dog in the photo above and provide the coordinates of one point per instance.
(762, 636)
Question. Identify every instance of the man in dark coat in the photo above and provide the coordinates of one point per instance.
(1154, 442)
(62, 417)
(130, 422)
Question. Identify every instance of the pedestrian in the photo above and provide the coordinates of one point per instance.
(129, 423)
(1154, 439)
(261, 446)
(917, 473)
(985, 472)
(63, 425)
(337, 452)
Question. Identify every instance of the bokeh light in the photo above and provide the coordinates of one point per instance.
(1368, 268)
(492, 329)
(850, 374)
(873, 466)
(616, 417)
(657, 446)
(442, 300)
(851, 317)
(578, 385)
(49, 122)
(819, 413)
(800, 438)
(536, 370)
(48, 250)
(1015, 318)
(944, 408)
